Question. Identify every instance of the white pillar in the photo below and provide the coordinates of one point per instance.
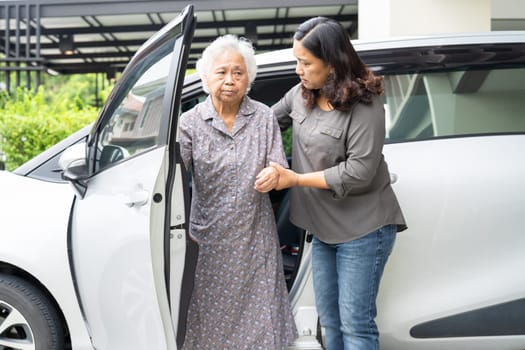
(508, 14)
(389, 18)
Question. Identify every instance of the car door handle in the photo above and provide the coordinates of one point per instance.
(138, 199)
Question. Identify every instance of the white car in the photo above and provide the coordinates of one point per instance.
(94, 248)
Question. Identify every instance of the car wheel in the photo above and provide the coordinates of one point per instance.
(28, 320)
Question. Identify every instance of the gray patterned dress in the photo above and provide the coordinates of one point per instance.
(240, 299)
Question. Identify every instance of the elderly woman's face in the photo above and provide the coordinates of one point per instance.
(228, 77)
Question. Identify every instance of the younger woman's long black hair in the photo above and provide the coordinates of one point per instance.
(351, 81)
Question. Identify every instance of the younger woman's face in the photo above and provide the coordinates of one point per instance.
(312, 70)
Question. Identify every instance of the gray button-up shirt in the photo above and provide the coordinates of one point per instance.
(347, 146)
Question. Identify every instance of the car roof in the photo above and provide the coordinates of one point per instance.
(413, 48)
(442, 39)
(410, 42)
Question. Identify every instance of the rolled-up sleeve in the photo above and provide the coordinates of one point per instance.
(364, 146)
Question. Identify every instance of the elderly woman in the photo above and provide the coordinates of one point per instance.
(240, 299)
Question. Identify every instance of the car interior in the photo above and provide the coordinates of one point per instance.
(291, 237)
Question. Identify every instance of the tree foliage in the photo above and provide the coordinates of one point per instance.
(31, 122)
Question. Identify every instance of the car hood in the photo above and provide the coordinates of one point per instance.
(34, 218)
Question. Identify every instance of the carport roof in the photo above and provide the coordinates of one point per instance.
(106, 33)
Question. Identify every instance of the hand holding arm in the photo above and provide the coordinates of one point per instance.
(289, 178)
(267, 179)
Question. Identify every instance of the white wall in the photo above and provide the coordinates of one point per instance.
(387, 18)
(508, 15)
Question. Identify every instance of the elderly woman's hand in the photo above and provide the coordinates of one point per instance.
(287, 177)
(267, 179)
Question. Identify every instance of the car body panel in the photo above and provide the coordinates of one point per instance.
(40, 247)
(443, 264)
(117, 287)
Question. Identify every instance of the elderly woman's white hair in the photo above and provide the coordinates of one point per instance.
(218, 46)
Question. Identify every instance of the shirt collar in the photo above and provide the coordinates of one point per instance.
(247, 109)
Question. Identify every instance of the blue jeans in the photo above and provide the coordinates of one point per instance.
(346, 280)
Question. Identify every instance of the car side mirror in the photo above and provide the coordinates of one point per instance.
(111, 154)
(74, 167)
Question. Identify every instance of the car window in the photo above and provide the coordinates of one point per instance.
(456, 103)
(134, 124)
(270, 90)
(189, 103)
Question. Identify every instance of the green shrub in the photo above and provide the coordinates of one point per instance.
(31, 122)
(287, 141)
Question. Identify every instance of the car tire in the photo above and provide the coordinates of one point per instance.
(28, 317)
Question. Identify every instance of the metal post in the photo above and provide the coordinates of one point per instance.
(7, 48)
(37, 53)
(28, 47)
(96, 91)
(17, 45)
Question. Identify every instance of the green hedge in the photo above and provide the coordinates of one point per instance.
(32, 122)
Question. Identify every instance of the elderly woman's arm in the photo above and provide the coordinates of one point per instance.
(289, 178)
(268, 178)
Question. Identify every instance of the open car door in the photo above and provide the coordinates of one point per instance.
(127, 229)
